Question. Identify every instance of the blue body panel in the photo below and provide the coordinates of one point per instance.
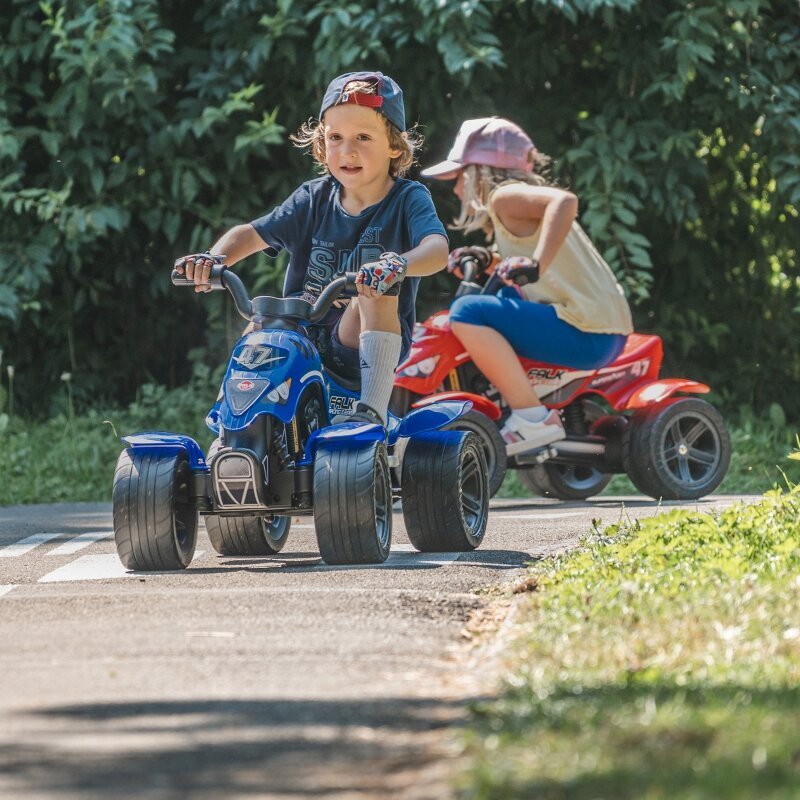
(162, 441)
(264, 361)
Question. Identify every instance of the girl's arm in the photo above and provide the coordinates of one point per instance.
(523, 208)
(428, 257)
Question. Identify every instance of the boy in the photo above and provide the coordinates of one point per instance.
(361, 216)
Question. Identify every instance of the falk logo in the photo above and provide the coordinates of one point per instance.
(245, 386)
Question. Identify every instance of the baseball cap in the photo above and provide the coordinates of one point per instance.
(493, 141)
(388, 101)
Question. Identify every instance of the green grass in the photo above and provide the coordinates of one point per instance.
(661, 660)
(71, 458)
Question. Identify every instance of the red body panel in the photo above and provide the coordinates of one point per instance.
(630, 382)
(479, 403)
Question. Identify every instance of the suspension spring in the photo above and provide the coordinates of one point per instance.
(574, 420)
(281, 448)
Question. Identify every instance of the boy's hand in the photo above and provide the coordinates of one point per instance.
(518, 270)
(197, 267)
(378, 277)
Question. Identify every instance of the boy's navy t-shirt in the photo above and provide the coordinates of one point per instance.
(324, 241)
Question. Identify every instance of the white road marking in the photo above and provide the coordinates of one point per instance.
(5, 588)
(96, 568)
(26, 545)
(563, 515)
(79, 542)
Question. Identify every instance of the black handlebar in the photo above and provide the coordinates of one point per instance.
(258, 308)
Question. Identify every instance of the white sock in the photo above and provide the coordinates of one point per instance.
(379, 352)
(533, 413)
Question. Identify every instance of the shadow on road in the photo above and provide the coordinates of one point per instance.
(237, 748)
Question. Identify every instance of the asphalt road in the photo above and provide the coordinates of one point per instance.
(241, 678)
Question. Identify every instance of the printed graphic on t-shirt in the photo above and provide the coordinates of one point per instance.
(327, 263)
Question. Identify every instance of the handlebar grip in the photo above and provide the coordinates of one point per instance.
(215, 279)
(469, 268)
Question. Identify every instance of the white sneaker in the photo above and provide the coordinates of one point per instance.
(521, 435)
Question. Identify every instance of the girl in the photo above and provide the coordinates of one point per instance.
(363, 216)
(574, 315)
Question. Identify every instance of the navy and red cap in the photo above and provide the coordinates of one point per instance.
(388, 101)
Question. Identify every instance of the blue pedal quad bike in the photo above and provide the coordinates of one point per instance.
(277, 455)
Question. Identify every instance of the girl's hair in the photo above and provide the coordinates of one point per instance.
(480, 181)
(311, 135)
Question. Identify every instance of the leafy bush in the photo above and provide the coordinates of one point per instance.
(131, 132)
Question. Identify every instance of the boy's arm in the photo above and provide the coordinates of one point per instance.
(237, 243)
(428, 257)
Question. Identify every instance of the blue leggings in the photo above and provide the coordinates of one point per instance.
(535, 331)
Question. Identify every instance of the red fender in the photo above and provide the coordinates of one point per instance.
(479, 403)
(654, 392)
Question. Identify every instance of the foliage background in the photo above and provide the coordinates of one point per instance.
(132, 132)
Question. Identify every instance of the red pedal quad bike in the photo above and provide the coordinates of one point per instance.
(621, 418)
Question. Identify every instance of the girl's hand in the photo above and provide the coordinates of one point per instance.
(518, 270)
(486, 259)
(379, 277)
(197, 267)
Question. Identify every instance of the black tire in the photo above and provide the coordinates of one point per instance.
(677, 450)
(246, 535)
(353, 503)
(445, 491)
(569, 481)
(564, 481)
(494, 448)
(155, 519)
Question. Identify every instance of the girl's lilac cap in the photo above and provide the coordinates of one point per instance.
(492, 141)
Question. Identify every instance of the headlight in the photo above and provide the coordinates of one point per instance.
(427, 365)
(280, 393)
(411, 371)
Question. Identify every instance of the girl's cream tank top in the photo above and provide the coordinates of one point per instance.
(578, 283)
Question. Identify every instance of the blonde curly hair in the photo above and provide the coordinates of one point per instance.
(479, 183)
(311, 136)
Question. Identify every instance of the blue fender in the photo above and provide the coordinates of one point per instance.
(343, 433)
(433, 416)
(163, 442)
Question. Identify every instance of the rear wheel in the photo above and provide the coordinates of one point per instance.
(677, 450)
(445, 491)
(352, 502)
(155, 519)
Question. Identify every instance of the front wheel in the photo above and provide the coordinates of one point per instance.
(247, 536)
(564, 481)
(445, 491)
(155, 520)
(677, 450)
(353, 502)
(494, 448)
